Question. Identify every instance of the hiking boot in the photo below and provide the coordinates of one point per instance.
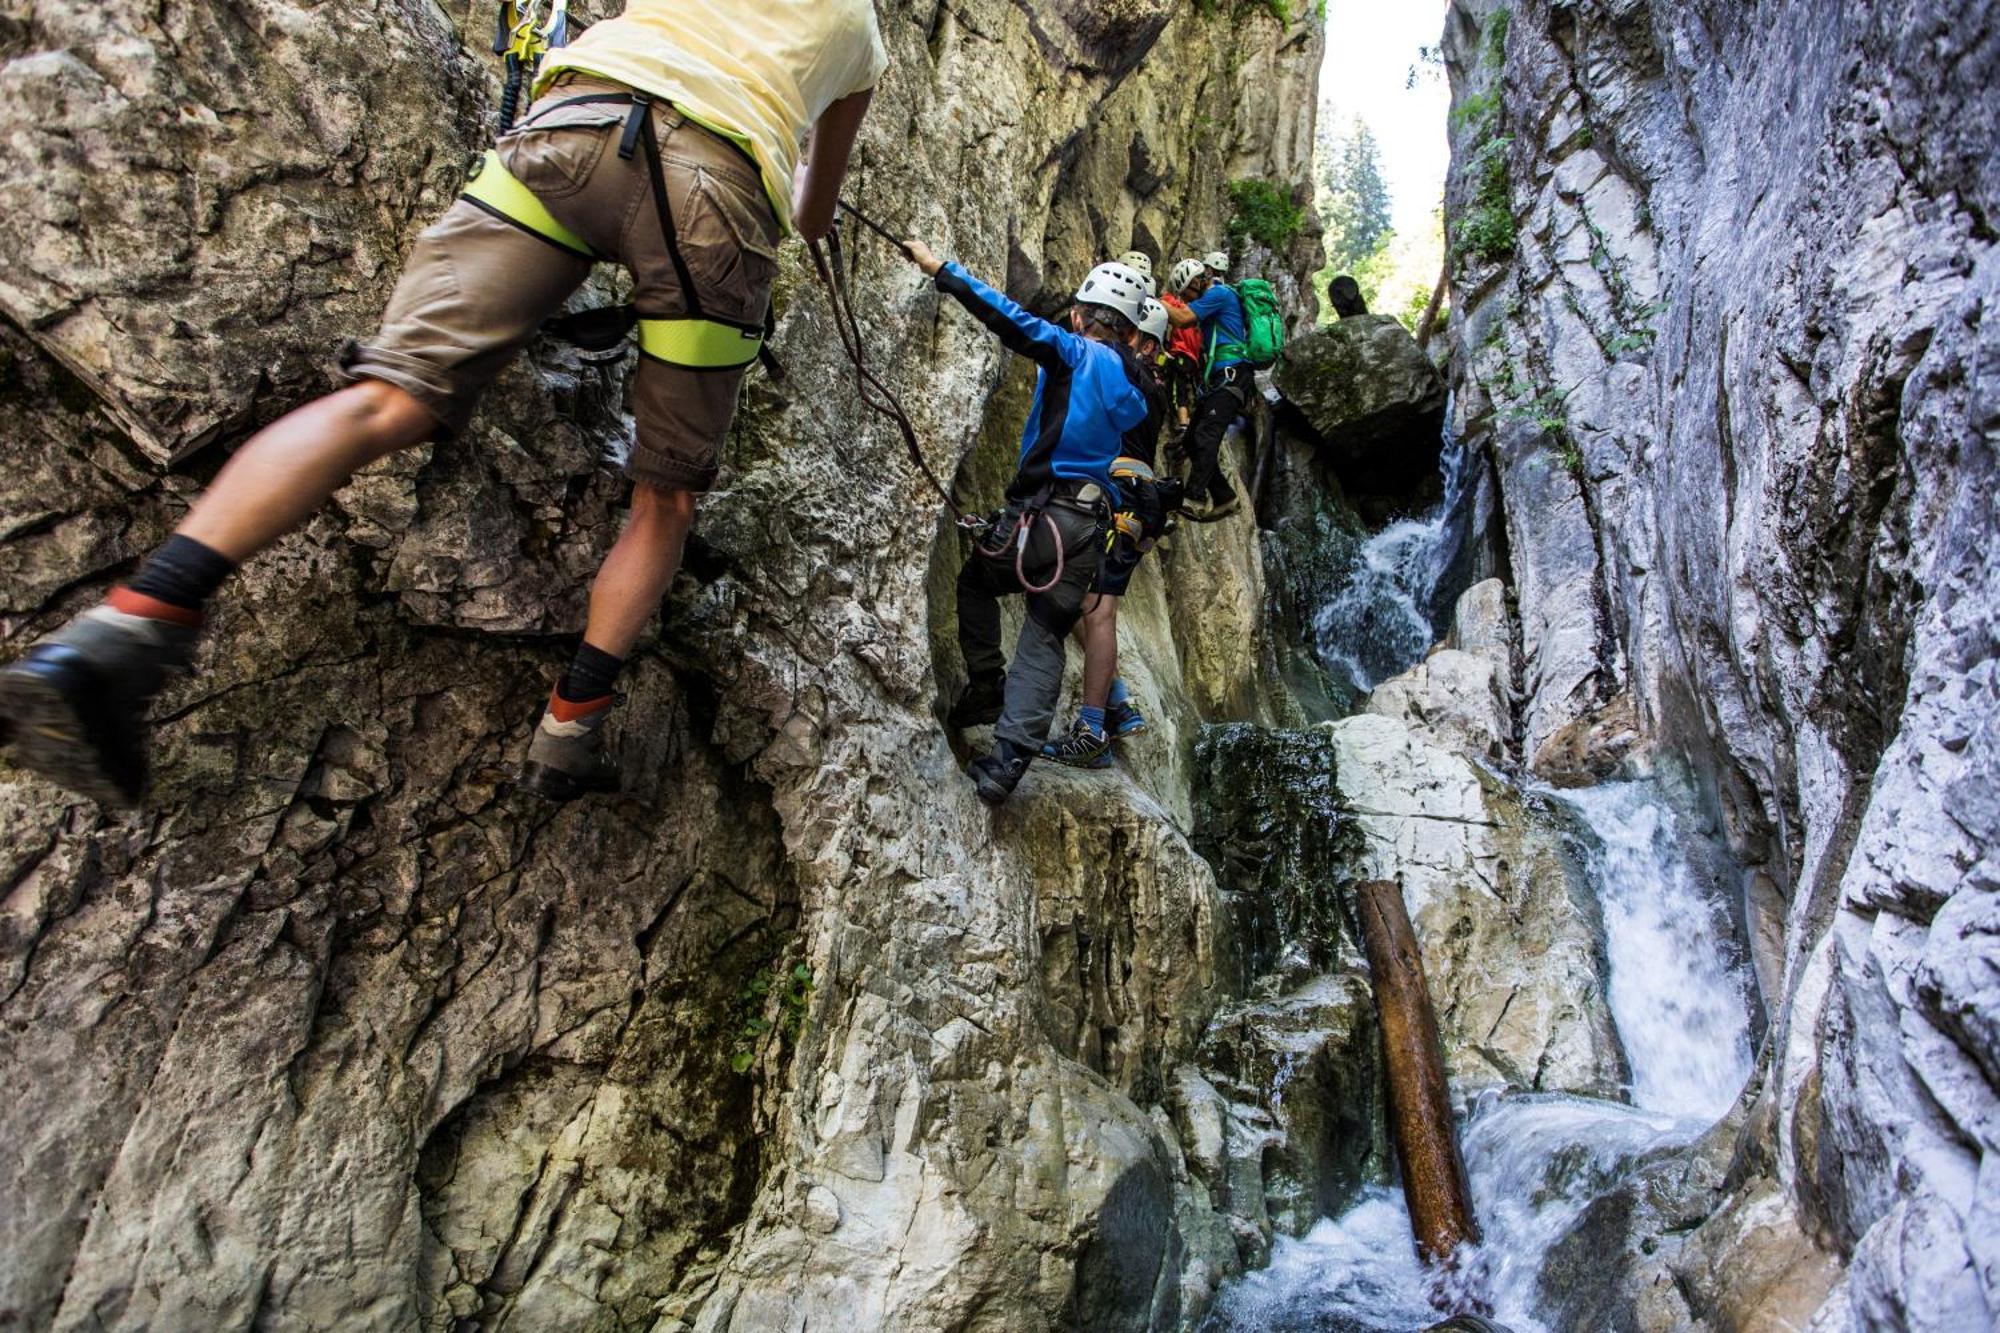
(1080, 747)
(1122, 720)
(996, 775)
(980, 704)
(1215, 510)
(566, 759)
(75, 703)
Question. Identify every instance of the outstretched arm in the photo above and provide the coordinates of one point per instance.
(1030, 335)
(1180, 316)
(818, 189)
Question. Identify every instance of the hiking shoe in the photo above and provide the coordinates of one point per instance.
(566, 758)
(996, 775)
(1215, 510)
(75, 703)
(1122, 720)
(1080, 747)
(980, 704)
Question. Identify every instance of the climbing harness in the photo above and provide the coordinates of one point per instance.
(694, 341)
(522, 40)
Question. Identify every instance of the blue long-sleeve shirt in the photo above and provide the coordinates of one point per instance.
(1084, 400)
(1223, 329)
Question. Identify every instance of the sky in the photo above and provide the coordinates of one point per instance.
(1370, 46)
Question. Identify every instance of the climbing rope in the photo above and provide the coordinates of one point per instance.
(828, 263)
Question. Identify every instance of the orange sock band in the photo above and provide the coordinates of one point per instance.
(570, 710)
(152, 608)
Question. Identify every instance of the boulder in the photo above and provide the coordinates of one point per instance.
(1365, 393)
(1457, 697)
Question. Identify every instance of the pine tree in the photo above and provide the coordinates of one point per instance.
(1353, 199)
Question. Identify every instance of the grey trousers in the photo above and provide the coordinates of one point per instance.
(1034, 684)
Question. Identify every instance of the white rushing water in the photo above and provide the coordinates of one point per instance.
(1379, 623)
(1535, 1162)
(1677, 993)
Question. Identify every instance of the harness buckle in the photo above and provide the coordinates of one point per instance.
(635, 120)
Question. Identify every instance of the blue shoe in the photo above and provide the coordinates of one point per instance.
(1122, 720)
(1080, 747)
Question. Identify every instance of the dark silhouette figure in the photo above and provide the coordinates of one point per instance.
(1345, 294)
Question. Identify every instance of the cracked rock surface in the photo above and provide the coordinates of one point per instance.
(791, 1033)
(1736, 366)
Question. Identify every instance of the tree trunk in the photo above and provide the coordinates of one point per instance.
(1419, 1100)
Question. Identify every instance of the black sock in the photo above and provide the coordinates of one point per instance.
(590, 676)
(182, 572)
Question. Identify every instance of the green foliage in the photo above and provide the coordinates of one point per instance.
(1280, 10)
(1494, 52)
(1549, 411)
(1353, 198)
(1475, 113)
(1264, 212)
(1640, 337)
(1487, 231)
(793, 991)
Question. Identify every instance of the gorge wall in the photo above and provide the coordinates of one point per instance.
(1721, 289)
(794, 1033)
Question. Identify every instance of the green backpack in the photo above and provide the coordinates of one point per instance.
(1263, 322)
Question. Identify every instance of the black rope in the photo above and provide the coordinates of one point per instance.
(874, 393)
(875, 227)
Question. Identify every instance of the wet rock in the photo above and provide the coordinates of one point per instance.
(1295, 1085)
(1508, 931)
(1366, 394)
(1751, 506)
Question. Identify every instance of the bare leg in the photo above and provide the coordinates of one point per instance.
(639, 569)
(1100, 650)
(289, 468)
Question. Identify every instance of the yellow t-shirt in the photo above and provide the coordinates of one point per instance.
(760, 74)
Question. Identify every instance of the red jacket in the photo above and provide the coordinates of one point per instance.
(1183, 342)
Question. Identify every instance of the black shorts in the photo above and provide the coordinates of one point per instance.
(1114, 571)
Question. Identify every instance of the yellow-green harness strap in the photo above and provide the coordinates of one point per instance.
(494, 189)
(691, 344)
(699, 344)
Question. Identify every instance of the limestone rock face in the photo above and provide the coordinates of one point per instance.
(1723, 310)
(793, 1033)
(1367, 395)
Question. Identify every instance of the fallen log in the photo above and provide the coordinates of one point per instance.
(1419, 1099)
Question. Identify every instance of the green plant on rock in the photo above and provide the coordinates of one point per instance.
(1494, 40)
(1486, 231)
(1264, 212)
(793, 991)
(1477, 112)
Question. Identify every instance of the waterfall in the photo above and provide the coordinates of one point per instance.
(1384, 616)
(1678, 996)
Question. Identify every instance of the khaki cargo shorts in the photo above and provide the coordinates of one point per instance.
(477, 287)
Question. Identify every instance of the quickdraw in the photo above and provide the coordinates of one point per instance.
(523, 37)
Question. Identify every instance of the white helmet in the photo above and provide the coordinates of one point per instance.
(1138, 261)
(1217, 260)
(1155, 325)
(1184, 273)
(1117, 287)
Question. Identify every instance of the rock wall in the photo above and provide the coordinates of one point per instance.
(791, 1034)
(1721, 291)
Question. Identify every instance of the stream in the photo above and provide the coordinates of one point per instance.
(1384, 615)
(1536, 1161)
(1677, 988)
